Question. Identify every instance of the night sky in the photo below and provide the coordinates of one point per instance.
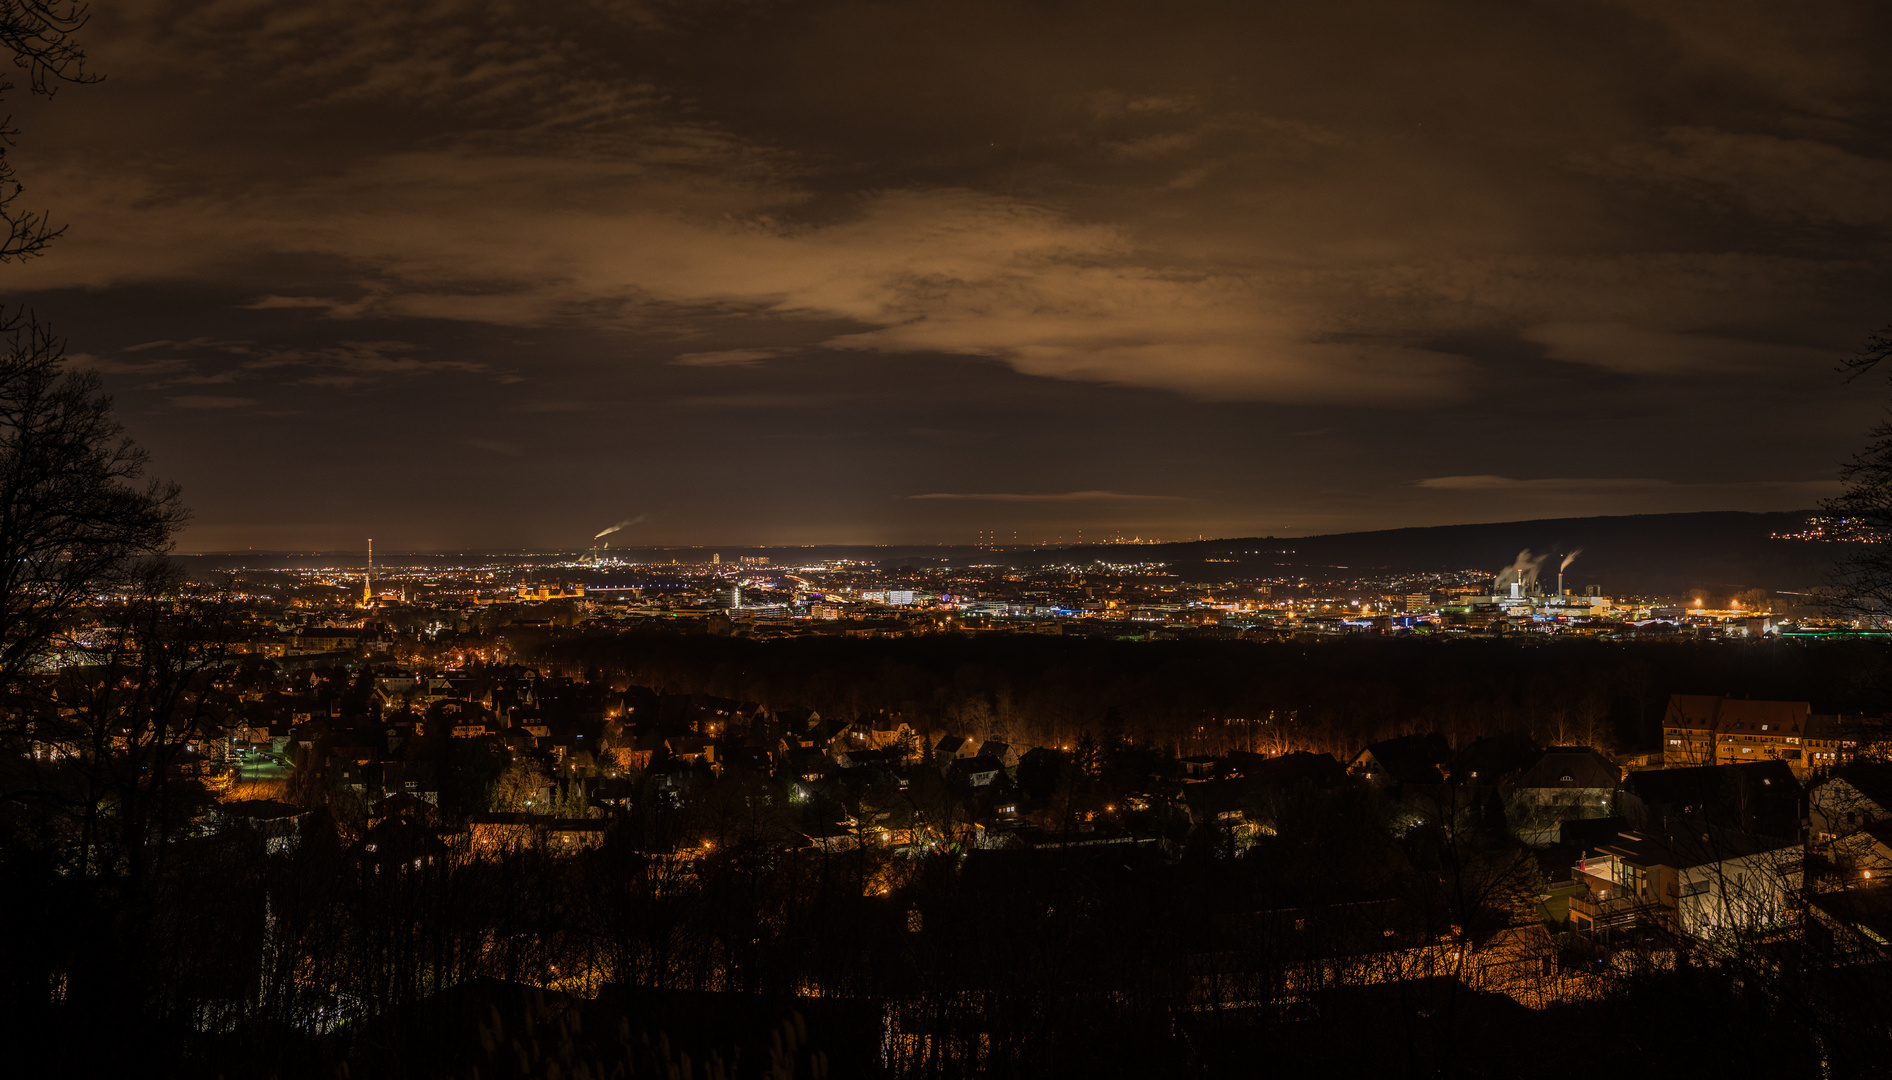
(460, 274)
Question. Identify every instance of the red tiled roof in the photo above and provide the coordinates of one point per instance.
(1713, 713)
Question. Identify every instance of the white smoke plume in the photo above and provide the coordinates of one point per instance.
(1523, 569)
(1568, 559)
(614, 528)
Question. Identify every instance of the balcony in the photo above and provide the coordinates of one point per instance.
(1616, 912)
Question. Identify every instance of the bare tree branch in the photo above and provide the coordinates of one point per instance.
(40, 34)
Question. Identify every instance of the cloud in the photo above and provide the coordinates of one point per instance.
(344, 365)
(370, 359)
(540, 407)
(1775, 178)
(761, 401)
(917, 271)
(1484, 497)
(726, 358)
(1640, 351)
(1818, 59)
(1486, 482)
(496, 446)
(949, 436)
(462, 53)
(1505, 485)
(1063, 497)
(117, 366)
(207, 401)
(1171, 231)
(1173, 234)
(294, 303)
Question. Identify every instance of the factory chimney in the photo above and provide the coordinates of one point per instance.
(367, 579)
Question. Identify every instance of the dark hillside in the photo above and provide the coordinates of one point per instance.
(1642, 553)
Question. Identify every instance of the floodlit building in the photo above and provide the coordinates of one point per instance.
(1568, 783)
(551, 592)
(1695, 884)
(1700, 729)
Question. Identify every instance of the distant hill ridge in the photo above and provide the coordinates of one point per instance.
(1643, 553)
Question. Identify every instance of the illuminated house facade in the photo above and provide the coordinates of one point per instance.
(1693, 884)
(1701, 729)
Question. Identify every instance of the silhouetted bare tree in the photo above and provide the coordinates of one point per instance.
(39, 33)
(73, 516)
(1862, 574)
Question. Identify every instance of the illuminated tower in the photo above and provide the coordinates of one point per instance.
(367, 579)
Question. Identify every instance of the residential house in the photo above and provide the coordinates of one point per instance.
(797, 719)
(952, 747)
(279, 824)
(1831, 741)
(1861, 856)
(395, 685)
(1705, 730)
(328, 639)
(975, 772)
(1216, 801)
(635, 705)
(998, 751)
(1853, 797)
(1756, 796)
(435, 688)
(1565, 783)
(799, 742)
(1851, 926)
(412, 778)
(635, 752)
(1292, 769)
(859, 759)
(878, 732)
(1040, 769)
(692, 749)
(492, 834)
(719, 716)
(1850, 823)
(808, 763)
(1696, 881)
(1494, 759)
(1198, 767)
(1395, 764)
(753, 759)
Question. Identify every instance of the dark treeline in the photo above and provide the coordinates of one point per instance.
(1326, 695)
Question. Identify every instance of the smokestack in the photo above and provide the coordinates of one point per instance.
(1522, 572)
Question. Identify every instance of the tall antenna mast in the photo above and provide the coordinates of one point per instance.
(367, 579)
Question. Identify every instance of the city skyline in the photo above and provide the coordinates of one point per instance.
(477, 277)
